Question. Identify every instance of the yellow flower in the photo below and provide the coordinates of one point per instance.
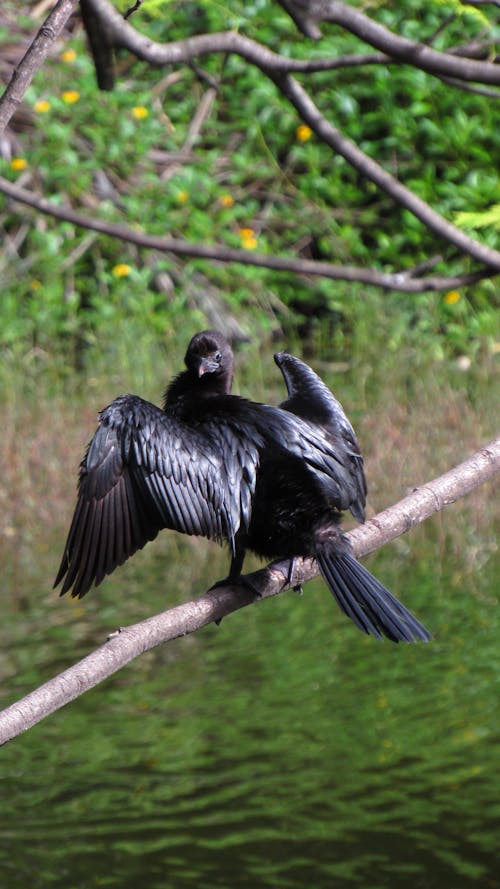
(70, 96)
(122, 270)
(18, 164)
(182, 197)
(69, 55)
(303, 133)
(451, 297)
(35, 284)
(226, 200)
(139, 112)
(248, 239)
(42, 106)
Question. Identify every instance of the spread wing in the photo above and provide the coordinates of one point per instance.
(274, 431)
(311, 399)
(143, 471)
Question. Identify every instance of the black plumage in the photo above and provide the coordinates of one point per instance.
(190, 466)
(297, 512)
(216, 465)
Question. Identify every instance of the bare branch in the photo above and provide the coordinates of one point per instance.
(101, 46)
(410, 52)
(398, 48)
(132, 641)
(34, 58)
(405, 282)
(472, 88)
(133, 9)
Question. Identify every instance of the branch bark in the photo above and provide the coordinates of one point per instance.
(130, 642)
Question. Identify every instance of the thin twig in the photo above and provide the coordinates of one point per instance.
(137, 5)
(472, 88)
(400, 281)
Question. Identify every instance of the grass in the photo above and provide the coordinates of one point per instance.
(414, 422)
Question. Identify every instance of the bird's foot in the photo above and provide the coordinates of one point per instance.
(246, 583)
(286, 568)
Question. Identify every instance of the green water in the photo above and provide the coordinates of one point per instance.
(281, 749)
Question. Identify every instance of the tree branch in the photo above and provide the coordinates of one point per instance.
(410, 52)
(100, 45)
(405, 282)
(277, 68)
(34, 58)
(398, 48)
(128, 643)
(369, 168)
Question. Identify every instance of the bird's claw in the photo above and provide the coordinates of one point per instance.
(243, 581)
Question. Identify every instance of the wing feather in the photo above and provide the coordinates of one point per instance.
(145, 470)
(311, 399)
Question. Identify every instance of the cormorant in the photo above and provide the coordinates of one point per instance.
(271, 479)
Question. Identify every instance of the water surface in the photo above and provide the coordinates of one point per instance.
(281, 749)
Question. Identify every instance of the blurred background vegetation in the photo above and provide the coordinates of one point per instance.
(254, 177)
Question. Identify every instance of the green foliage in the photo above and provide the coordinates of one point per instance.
(252, 178)
(465, 9)
(481, 219)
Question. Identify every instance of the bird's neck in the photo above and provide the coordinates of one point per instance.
(188, 386)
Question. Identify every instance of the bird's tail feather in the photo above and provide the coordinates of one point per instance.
(366, 601)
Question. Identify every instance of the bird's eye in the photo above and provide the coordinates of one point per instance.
(217, 356)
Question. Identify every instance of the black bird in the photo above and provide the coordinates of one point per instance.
(296, 511)
(190, 466)
(211, 464)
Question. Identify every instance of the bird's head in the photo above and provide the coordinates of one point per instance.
(210, 357)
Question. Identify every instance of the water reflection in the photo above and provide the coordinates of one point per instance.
(282, 749)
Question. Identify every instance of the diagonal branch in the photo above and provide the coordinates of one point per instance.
(34, 58)
(405, 282)
(310, 113)
(132, 641)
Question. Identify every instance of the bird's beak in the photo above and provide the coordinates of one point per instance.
(207, 366)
